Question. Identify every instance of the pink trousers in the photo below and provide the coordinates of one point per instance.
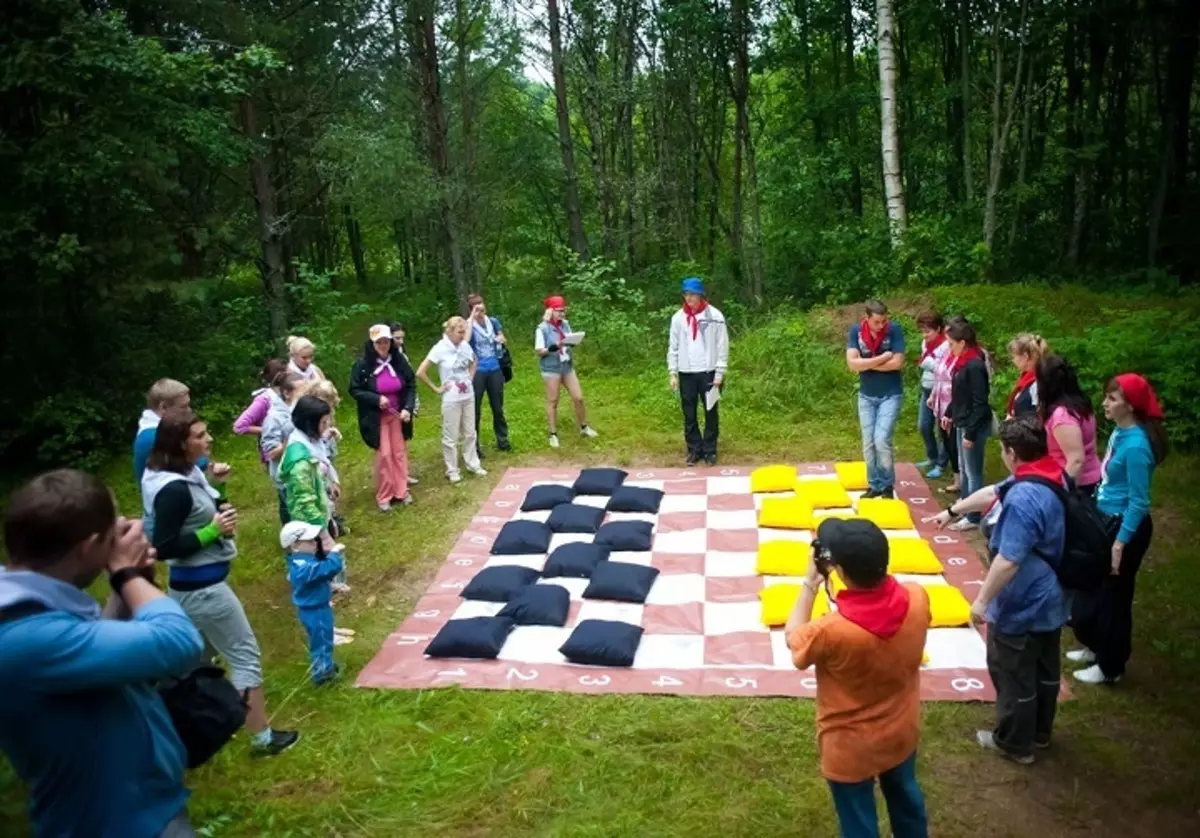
(391, 461)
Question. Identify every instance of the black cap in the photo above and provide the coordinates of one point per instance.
(859, 547)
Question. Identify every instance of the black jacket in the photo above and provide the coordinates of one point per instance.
(366, 396)
(969, 408)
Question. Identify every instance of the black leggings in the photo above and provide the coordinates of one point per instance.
(1103, 619)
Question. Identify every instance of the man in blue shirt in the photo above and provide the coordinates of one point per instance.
(875, 350)
(487, 341)
(1021, 599)
(83, 725)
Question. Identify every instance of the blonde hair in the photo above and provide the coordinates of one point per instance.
(454, 323)
(1031, 346)
(324, 390)
(548, 316)
(164, 392)
(296, 344)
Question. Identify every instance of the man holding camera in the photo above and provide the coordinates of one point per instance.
(867, 657)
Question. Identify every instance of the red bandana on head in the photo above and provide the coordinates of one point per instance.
(871, 340)
(556, 303)
(930, 346)
(1140, 395)
(691, 315)
(960, 361)
(1023, 383)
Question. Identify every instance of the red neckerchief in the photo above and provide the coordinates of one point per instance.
(961, 361)
(1044, 467)
(1026, 379)
(881, 610)
(930, 346)
(870, 340)
(557, 324)
(692, 320)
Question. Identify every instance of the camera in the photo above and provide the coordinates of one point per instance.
(821, 558)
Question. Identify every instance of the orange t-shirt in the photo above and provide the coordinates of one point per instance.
(868, 690)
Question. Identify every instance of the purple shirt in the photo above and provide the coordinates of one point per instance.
(389, 385)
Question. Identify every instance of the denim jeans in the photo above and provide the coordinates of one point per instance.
(970, 460)
(855, 804)
(935, 451)
(877, 417)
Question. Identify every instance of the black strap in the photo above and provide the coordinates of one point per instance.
(20, 611)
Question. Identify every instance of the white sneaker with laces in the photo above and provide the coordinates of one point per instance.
(588, 431)
(962, 525)
(1095, 675)
(987, 740)
(412, 481)
(478, 472)
(454, 477)
(553, 440)
(1083, 655)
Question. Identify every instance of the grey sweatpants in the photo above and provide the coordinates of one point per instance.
(218, 614)
(1025, 671)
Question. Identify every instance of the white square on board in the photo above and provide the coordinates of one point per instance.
(596, 501)
(686, 541)
(955, 648)
(646, 484)
(476, 608)
(683, 503)
(729, 485)
(921, 578)
(539, 515)
(603, 609)
(676, 589)
(648, 517)
(736, 519)
(575, 587)
(535, 644)
(782, 580)
(560, 538)
(730, 617)
(718, 563)
(670, 651)
(537, 561)
(766, 534)
(644, 558)
(781, 655)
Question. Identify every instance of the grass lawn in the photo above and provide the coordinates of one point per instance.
(473, 763)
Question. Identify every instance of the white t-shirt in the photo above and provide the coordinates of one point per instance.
(454, 369)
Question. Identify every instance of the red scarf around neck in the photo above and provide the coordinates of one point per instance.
(557, 326)
(960, 361)
(871, 340)
(1023, 384)
(880, 610)
(930, 346)
(691, 315)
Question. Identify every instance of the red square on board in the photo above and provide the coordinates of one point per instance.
(686, 618)
(733, 541)
(681, 521)
(742, 648)
(678, 562)
(731, 503)
(732, 588)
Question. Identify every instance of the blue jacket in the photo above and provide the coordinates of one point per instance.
(1125, 489)
(79, 717)
(310, 578)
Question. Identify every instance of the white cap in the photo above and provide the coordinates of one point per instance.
(379, 332)
(297, 531)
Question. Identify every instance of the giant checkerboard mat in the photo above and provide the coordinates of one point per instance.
(701, 619)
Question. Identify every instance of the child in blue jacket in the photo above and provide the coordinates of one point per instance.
(310, 573)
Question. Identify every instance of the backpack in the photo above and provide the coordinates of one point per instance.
(1086, 558)
(206, 709)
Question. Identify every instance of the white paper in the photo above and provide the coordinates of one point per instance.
(573, 338)
(712, 397)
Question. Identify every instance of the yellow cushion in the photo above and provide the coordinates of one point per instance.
(783, 558)
(773, 479)
(912, 555)
(852, 476)
(947, 606)
(924, 658)
(887, 513)
(779, 600)
(822, 494)
(820, 515)
(786, 514)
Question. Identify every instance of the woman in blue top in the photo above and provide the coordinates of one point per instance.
(554, 358)
(1103, 620)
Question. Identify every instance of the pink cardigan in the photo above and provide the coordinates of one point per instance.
(253, 416)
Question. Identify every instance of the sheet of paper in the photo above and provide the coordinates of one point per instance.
(574, 338)
(712, 397)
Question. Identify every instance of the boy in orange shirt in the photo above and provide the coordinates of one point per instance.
(868, 659)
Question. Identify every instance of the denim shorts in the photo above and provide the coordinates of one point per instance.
(564, 368)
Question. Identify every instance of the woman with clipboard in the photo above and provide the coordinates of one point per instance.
(552, 342)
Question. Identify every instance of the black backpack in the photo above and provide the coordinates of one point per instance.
(206, 709)
(1087, 548)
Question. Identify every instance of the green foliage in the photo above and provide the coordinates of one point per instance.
(609, 309)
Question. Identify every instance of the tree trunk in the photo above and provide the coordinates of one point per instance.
(954, 135)
(1000, 133)
(1099, 42)
(1023, 158)
(890, 142)
(462, 37)
(354, 237)
(739, 89)
(856, 193)
(964, 52)
(270, 237)
(574, 212)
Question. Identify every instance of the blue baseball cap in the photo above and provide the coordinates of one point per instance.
(693, 285)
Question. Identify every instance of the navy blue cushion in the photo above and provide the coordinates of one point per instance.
(522, 538)
(602, 643)
(626, 536)
(599, 481)
(578, 560)
(547, 497)
(539, 605)
(635, 499)
(498, 584)
(621, 581)
(570, 517)
(474, 637)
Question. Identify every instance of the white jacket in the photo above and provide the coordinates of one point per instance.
(712, 333)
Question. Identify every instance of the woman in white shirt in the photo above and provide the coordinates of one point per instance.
(300, 359)
(456, 368)
(557, 368)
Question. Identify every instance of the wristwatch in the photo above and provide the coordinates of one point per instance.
(950, 509)
(117, 579)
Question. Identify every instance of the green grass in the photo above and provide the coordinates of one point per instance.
(473, 763)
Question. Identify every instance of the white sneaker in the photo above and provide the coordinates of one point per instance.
(588, 431)
(386, 506)
(962, 525)
(987, 740)
(553, 440)
(1084, 656)
(412, 481)
(478, 472)
(454, 477)
(1095, 675)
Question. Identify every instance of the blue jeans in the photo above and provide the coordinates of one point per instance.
(318, 623)
(855, 804)
(935, 452)
(970, 461)
(877, 416)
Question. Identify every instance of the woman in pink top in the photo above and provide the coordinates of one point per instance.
(939, 402)
(251, 420)
(1070, 422)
